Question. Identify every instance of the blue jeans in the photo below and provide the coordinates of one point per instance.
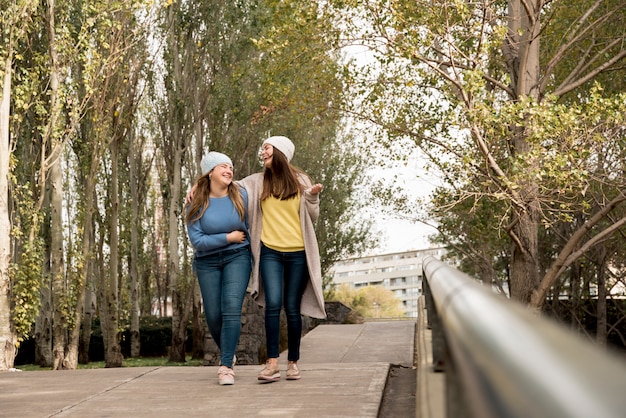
(284, 274)
(223, 279)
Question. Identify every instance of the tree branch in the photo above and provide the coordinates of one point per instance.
(568, 254)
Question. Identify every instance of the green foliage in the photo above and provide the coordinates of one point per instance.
(26, 284)
(26, 271)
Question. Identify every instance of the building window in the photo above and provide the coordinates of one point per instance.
(407, 267)
(413, 279)
(398, 281)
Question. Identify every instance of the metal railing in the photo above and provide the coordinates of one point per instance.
(502, 360)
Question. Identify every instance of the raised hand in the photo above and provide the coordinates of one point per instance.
(316, 188)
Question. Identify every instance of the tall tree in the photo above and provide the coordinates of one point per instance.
(8, 336)
(15, 22)
(474, 89)
(175, 124)
(53, 134)
(138, 183)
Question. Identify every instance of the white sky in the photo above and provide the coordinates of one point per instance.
(401, 235)
(398, 234)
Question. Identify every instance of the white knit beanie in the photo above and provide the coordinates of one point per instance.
(283, 144)
(212, 159)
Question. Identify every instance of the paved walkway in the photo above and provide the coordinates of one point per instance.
(344, 370)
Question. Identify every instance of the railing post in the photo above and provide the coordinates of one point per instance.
(456, 406)
(435, 325)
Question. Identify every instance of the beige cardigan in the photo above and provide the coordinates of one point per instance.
(313, 298)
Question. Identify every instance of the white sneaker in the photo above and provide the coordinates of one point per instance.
(225, 376)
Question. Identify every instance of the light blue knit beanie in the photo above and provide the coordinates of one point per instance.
(212, 159)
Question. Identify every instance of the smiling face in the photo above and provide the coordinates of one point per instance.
(267, 152)
(221, 175)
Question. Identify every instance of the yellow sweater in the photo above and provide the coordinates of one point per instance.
(313, 298)
(281, 230)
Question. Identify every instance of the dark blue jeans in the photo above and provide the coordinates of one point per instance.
(284, 275)
(223, 279)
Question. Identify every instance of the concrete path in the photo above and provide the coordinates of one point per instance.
(344, 370)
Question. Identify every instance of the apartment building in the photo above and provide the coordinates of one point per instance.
(399, 272)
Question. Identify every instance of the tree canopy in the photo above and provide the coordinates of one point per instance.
(512, 104)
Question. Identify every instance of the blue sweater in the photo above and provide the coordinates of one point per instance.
(208, 234)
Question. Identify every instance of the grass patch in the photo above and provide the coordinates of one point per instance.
(129, 362)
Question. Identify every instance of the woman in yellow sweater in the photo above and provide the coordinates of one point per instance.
(282, 206)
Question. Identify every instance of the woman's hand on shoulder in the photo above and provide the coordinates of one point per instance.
(189, 197)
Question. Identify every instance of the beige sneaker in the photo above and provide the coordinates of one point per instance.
(293, 373)
(270, 373)
(225, 376)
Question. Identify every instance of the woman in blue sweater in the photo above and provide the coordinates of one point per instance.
(217, 226)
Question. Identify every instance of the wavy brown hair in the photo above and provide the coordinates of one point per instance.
(200, 201)
(281, 181)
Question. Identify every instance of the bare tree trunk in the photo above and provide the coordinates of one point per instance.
(134, 178)
(85, 333)
(524, 256)
(601, 310)
(179, 307)
(522, 53)
(198, 327)
(575, 278)
(160, 297)
(197, 351)
(42, 335)
(43, 329)
(113, 354)
(71, 357)
(100, 279)
(175, 135)
(57, 269)
(57, 265)
(84, 340)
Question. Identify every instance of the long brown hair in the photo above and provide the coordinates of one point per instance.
(200, 201)
(281, 181)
